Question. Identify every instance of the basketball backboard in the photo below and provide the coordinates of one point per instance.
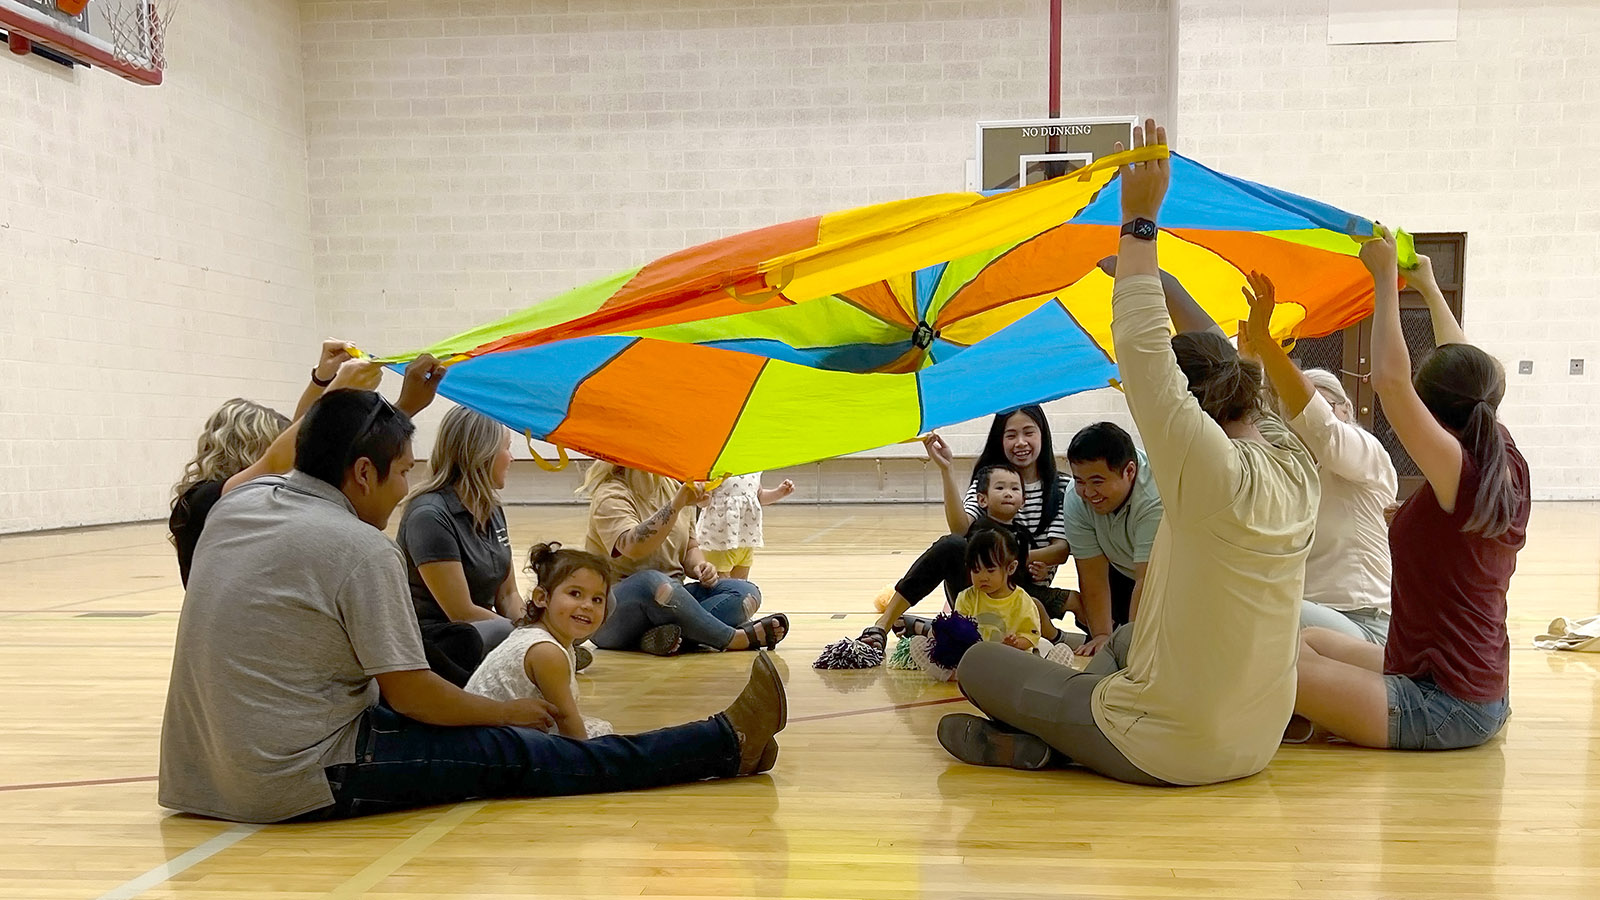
(123, 36)
(1025, 151)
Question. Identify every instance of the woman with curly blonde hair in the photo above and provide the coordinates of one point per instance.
(244, 440)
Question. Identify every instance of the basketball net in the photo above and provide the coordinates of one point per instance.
(139, 30)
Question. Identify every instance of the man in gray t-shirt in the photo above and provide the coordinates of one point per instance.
(297, 619)
(1111, 522)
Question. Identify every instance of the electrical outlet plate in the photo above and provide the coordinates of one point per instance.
(1525, 367)
(1575, 367)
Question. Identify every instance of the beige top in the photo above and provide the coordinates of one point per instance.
(614, 509)
(1210, 680)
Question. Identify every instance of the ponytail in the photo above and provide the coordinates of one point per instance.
(1227, 387)
(1495, 504)
(551, 564)
(1462, 386)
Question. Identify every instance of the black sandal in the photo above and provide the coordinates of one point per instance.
(874, 637)
(770, 624)
(913, 626)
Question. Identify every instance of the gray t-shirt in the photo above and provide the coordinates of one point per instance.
(1123, 537)
(293, 605)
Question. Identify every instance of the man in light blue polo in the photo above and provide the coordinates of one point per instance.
(1112, 517)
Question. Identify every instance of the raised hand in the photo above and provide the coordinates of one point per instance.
(785, 489)
(421, 384)
(1421, 278)
(334, 353)
(939, 451)
(691, 493)
(1144, 184)
(1263, 298)
(1381, 256)
(357, 375)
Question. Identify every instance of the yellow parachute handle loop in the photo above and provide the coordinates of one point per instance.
(1116, 384)
(785, 275)
(1126, 157)
(562, 459)
(713, 484)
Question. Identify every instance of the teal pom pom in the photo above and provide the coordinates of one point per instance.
(901, 657)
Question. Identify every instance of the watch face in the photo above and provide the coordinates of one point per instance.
(1145, 229)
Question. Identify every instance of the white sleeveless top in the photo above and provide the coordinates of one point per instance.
(503, 674)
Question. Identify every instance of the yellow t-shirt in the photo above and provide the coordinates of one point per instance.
(1210, 679)
(998, 617)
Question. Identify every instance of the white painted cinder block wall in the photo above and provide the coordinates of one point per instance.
(157, 257)
(1493, 134)
(468, 158)
(467, 164)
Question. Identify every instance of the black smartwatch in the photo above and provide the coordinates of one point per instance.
(1143, 229)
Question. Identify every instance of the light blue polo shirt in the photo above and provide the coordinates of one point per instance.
(1123, 537)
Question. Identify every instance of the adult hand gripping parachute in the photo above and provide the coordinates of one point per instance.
(862, 328)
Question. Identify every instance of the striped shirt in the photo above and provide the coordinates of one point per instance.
(1031, 513)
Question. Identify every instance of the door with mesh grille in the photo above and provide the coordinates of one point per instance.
(1349, 351)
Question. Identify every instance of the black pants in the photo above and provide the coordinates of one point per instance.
(453, 650)
(945, 561)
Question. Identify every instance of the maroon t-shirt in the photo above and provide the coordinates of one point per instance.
(1449, 589)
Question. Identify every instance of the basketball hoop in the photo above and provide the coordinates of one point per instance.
(139, 30)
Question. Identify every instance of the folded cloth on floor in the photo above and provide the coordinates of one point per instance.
(1571, 634)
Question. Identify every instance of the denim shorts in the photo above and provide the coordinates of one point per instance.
(1422, 716)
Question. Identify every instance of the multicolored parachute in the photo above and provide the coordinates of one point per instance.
(862, 328)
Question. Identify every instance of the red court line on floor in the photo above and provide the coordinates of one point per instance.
(876, 709)
(63, 784)
(140, 778)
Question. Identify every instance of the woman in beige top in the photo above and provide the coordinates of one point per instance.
(1199, 688)
(636, 520)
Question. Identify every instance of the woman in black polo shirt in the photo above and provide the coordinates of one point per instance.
(457, 549)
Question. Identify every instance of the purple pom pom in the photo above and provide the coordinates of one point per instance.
(953, 634)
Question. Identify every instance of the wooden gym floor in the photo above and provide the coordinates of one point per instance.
(863, 803)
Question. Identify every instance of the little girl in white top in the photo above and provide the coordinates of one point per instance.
(569, 603)
(729, 528)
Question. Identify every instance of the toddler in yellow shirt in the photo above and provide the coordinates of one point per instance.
(1004, 613)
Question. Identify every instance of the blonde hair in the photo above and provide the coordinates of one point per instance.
(463, 459)
(235, 436)
(649, 490)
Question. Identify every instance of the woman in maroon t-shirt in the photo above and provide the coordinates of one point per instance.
(1441, 683)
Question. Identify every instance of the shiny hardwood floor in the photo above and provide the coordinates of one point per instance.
(863, 803)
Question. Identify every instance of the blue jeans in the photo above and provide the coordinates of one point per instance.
(1368, 625)
(1422, 716)
(707, 615)
(402, 763)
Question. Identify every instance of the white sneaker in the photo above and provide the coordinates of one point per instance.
(1060, 653)
(919, 655)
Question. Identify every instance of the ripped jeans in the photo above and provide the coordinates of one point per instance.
(647, 599)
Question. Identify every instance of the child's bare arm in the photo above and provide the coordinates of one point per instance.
(769, 496)
(551, 672)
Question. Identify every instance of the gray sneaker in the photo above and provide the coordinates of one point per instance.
(582, 657)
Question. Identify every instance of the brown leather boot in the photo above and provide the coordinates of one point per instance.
(759, 712)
